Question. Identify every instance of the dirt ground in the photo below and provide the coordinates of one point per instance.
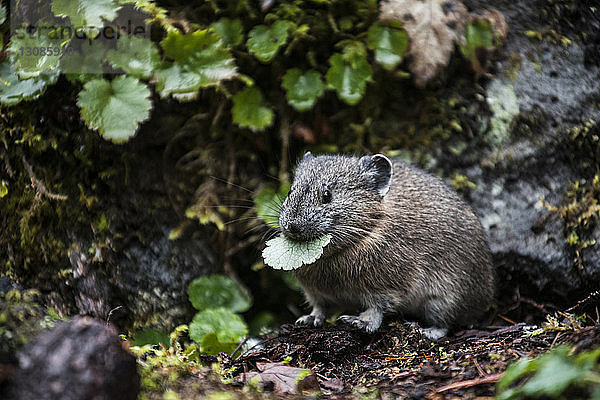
(398, 361)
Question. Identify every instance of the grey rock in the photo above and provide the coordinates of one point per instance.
(83, 359)
(556, 89)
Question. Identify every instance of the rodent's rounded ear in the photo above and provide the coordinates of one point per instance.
(379, 169)
(307, 156)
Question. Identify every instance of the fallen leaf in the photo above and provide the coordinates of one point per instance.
(433, 27)
(285, 379)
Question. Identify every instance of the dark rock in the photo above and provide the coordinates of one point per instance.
(134, 272)
(82, 359)
(533, 156)
(22, 319)
(145, 282)
(7, 284)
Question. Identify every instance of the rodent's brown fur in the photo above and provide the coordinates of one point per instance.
(418, 251)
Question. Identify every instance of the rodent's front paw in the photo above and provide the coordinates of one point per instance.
(314, 320)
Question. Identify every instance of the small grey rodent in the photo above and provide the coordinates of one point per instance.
(402, 242)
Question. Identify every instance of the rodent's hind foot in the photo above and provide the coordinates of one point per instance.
(433, 333)
(354, 321)
(312, 320)
(369, 321)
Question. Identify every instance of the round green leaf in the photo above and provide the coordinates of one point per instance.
(228, 326)
(389, 44)
(89, 13)
(302, 90)
(199, 60)
(230, 30)
(85, 64)
(554, 375)
(349, 78)
(13, 90)
(217, 291)
(137, 56)
(34, 54)
(210, 344)
(249, 110)
(282, 253)
(115, 108)
(264, 41)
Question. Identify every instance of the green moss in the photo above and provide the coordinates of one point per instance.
(581, 209)
(549, 35)
(161, 370)
(581, 214)
(42, 207)
(586, 140)
(21, 317)
(175, 370)
(461, 183)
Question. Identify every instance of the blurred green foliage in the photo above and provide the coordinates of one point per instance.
(558, 374)
(217, 327)
(21, 317)
(201, 55)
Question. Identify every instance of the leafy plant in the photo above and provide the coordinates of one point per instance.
(478, 36)
(30, 66)
(82, 12)
(263, 41)
(282, 253)
(217, 330)
(161, 367)
(136, 56)
(349, 73)
(433, 27)
(115, 108)
(230, 30)
(13, 90)
(199, 60)
(268, 202)
(217, 291)
(249, 110)
(302, 89)
(217, 327)
(197, 57)
(553, 375)
(390, 43)
(85, 65)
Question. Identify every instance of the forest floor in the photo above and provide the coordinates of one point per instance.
(398, 361)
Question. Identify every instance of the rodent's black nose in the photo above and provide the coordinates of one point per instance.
(292, 230)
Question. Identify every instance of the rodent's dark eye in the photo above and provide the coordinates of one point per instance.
(325, 196)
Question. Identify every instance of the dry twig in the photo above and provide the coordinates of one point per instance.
(493, 378)
(39, 185)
